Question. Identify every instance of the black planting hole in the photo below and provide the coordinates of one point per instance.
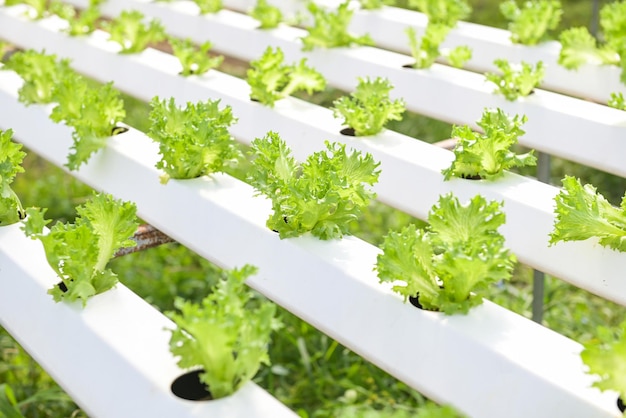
(117, 130)
(472, 177)
(188, 386)
(61, 286)
(415, 301)
(621, 405)
(409, 66)
(347, 132)
(254, 100)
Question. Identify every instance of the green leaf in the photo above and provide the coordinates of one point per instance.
(79, 252)
(194, 60)
(11, 157)
(606, 358)
(487, 155)
(227, 333)
(80, 24)
(209, 6)
(330, 30)
(269, 16)
(582, 213)
(8, 403)
(459, 56)
(530, 24)
(518, 81)
(426, 50)
(579, 47)
(322, 196)
(193, 140)
(617, 101)
(369, 107)
(613, 23)
(375, 4)
(129, 31)
(444, 12)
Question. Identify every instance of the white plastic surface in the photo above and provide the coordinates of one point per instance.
(403, 160)
(573, 129)
(488, 363)
(113, 356)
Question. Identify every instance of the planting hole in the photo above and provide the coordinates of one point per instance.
(347, 132)
(474, 177)
(118, 130)
(621, 405)
(61, 286)
(415, 301)
(409, 66)
(188, 386)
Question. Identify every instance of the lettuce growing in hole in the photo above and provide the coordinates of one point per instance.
(209, 6)
(82, 23)
(41, 73)
(39, 7)
(323, 195)
(369, 107)
(530, 24)
(582, 213)
(268, 16)
(330, 29)
(79, 252)
(444, 12)
(425, 50)
(487, 155)
(11, 157)
(194, 60)
(193, 140)
(129, 31)
(459, 253)
(516, 81)
(375, 4)
(227, 334)
(617, 101)
(270, 79)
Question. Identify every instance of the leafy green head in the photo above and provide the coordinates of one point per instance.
(531, 23)
(487, 155)
(11, 157)
(516, 81)
(268, 16)
(194, 60)
(425, 50)
(227, 334)
(445, 12)
(605, 357)
(132, 34)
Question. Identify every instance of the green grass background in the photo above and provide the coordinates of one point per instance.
(310, 372)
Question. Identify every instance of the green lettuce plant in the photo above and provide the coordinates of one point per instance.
(323, 195)
(443, 12)
(530, 24)
(79, 252)
(617, 101)
(425, 50)
(375, 4)
(40, 7)
(448, 263)
(487, 155)
(268, 16)
(514, 82)
(227, 334)
(79, 24)
(132, 34)
(194, 60)
(11, 157)
(209, 6)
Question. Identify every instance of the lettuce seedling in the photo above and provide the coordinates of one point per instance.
(487, 155)
(193, 140)
(323, 195)
(270, 79)
(38, 6)
(82, 23)
(269, 16)
(194, 60)
(369, 107)
(457, 57)
(443, 12)
(617, 101)
(94, 113)
(459, 253)
(605, 356)
(11, 157)
(79, 252)
(579, 47)
(613, 23)
(209, 6)
(375, 4)
(426, 49)
(582, 213)
(516, 82)
(40, 72)
(330, 30)
(227, 334)
(132, 34)
(530, 24)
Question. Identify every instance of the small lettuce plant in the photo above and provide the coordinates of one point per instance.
(582, 213)
(322, 195)
(132, 34)
(195, 60)
(531, 23)
(209, 6)
(516, 81)
(444, 12)
(617, 101)
(227, 333)
(448, 263)
(79, 252)
(425, 50)
(11, 157)
(79, 24)
(193, 139)
(487, 155)
(369, 107)
(268, 16)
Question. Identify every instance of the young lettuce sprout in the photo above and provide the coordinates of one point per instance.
(79, 24)
(79, 252)
(530, 24)
(617, 101)
(11, 157)
(269, 16)
(369, 108)
(270, 79)
(460, 252)
(132, 34)
(39, 7)
(486, 156)
(330, 30)
(582, 213)
(40, 72)
(194, 60)
(444, 12)
(605, 356)
(516, 82)
(375, 4)
(579, 47)
(209, 6)
(194, 139)
(426, 49)
(322, 196)
(227, 334)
